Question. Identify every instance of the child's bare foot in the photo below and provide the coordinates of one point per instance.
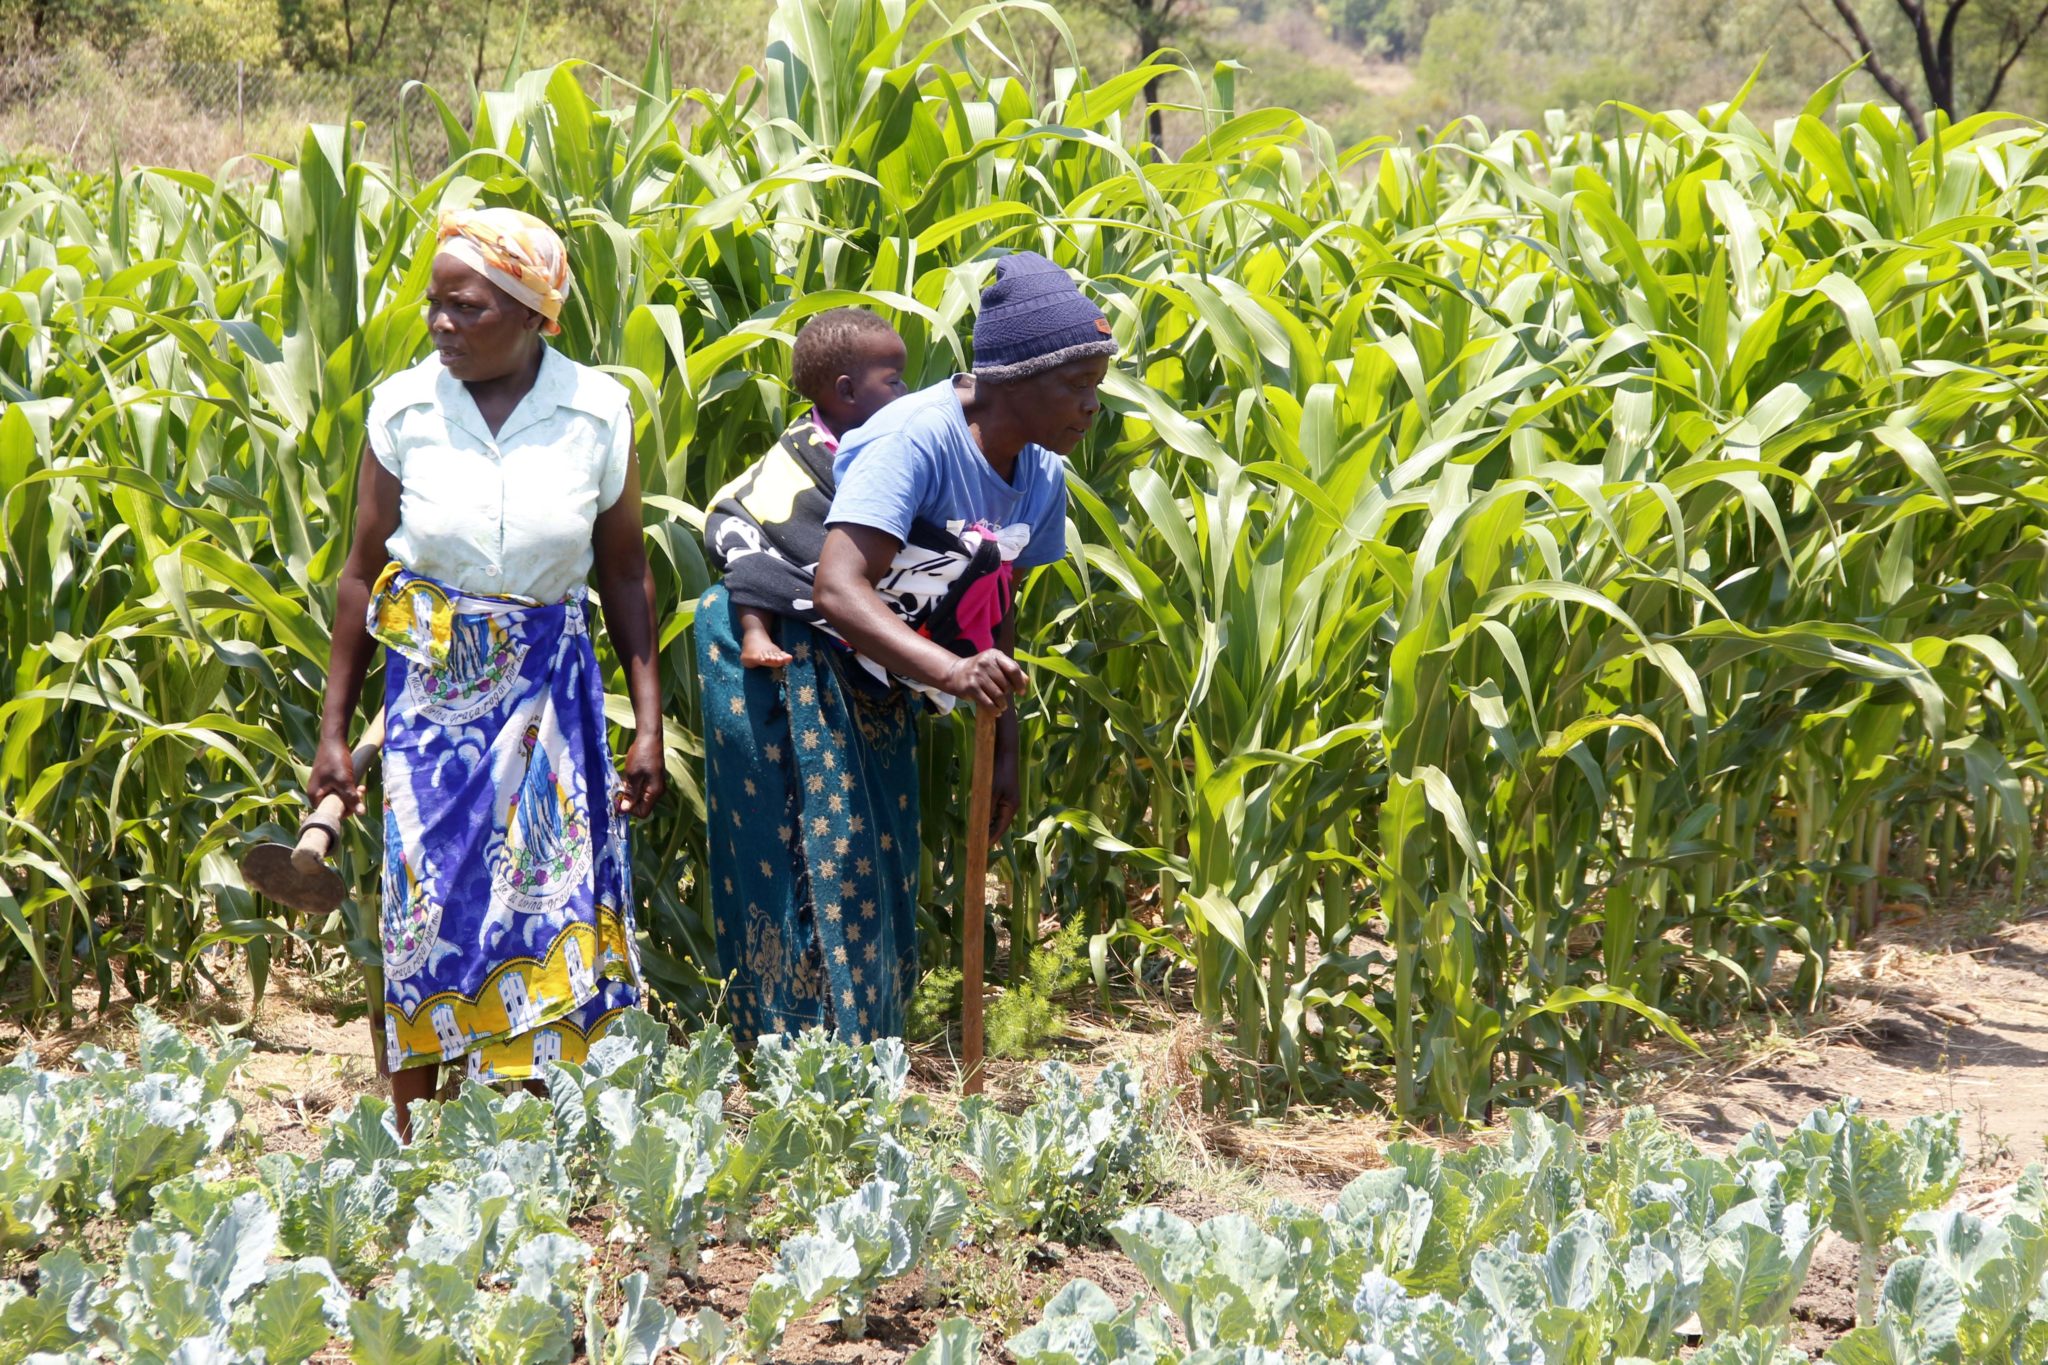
(758, 648)
(762, 654)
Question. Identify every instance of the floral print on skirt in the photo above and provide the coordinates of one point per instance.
(507, 926)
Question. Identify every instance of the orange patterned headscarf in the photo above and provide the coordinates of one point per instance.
(513, 250)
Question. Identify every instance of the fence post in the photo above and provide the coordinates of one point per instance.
(241, 107)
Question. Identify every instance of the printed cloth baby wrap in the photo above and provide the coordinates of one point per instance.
(766, 530)
(508, 929)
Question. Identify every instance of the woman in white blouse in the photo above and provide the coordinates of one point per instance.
(499, 473)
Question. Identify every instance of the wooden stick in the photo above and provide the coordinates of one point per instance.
(981, 782)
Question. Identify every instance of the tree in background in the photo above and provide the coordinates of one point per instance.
(219, 30)
(1369, 24)
(1963, 50)
(1461, 57)
(342, 35)
(1154, 25)
(453, 42)
(1393, 29)
(37, 25)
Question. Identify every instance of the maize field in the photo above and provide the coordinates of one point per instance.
(1528, 592)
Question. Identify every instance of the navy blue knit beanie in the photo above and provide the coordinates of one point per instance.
(1034, 319)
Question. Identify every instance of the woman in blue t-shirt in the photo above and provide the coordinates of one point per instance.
(940, 502)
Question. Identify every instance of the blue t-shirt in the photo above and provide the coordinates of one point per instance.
(916, 460)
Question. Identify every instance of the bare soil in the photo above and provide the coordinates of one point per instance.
(1925, 1017)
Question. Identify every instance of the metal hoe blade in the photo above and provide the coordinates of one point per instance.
(272, 872)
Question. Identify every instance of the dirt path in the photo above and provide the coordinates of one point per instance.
(1932, 1015)
(1928, 1016)
(1924, 1019)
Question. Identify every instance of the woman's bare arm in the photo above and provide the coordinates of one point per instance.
(625, 589)
(853, 561)
(348, 657)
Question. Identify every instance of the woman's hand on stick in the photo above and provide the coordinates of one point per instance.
(989, 678)
(334, 774)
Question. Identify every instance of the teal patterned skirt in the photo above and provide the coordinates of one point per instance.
(812, 818)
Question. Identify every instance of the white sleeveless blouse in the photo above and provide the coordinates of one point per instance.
(510, 513)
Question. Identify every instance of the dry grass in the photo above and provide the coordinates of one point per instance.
(82, 108)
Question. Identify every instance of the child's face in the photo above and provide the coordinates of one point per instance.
(876, 381)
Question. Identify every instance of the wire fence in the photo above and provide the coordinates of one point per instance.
(89, 109)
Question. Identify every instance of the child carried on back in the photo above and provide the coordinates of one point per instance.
(766, 528)
(849, 364)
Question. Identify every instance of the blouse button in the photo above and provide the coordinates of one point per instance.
(490, 571)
